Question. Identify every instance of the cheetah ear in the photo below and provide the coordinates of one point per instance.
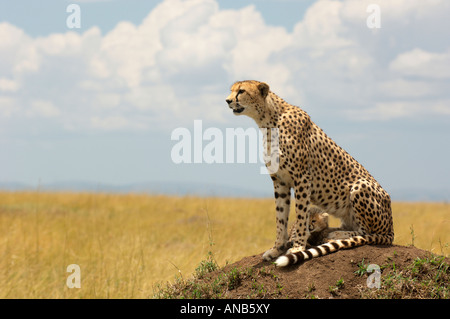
(263, 89)
(325, 216)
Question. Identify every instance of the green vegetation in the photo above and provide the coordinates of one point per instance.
(214, 287)
(424, 278)
(334, 290)
(362, 268)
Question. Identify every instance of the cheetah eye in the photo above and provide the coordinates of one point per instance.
(313, 222)
(241, 91)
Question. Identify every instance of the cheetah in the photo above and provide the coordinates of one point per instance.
(318, 227)
(320, 173)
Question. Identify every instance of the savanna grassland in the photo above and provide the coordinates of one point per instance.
(126, 244)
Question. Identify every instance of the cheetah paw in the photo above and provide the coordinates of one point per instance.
(271, 254)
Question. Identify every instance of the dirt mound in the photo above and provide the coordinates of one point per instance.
(395, 272)
(343, 274)
(338, 275)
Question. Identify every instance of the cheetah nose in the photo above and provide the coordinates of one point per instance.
(228, 101)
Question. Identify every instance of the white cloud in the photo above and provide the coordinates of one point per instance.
(402, 109)
(8, 85)
(18, 53)
(177, 65)
(386, 111)
(43, 108)
(7, 107)
(322, 28)
(107, 100)
(400, 88)
(111, 123)
(421, 63)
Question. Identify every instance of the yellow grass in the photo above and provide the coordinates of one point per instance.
(125, 244)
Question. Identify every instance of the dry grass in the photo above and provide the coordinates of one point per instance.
(124, 244)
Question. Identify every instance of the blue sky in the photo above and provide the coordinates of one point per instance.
(99, 103)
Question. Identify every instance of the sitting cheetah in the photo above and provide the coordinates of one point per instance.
(320, 172)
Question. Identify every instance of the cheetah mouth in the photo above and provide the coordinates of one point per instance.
(237, 111)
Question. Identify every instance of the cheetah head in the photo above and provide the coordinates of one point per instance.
(247, 97)
(318, 221)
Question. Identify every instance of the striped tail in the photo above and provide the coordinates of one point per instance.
(325, 249)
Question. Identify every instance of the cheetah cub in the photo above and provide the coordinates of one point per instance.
(318, 227)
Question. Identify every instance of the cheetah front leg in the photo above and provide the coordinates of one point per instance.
(300, 231)
(282, 202)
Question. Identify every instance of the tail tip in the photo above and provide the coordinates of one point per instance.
(282, 261)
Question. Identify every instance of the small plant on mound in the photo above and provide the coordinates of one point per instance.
(193, 287)
(334, 290)
(206, 266)
(362, 268)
